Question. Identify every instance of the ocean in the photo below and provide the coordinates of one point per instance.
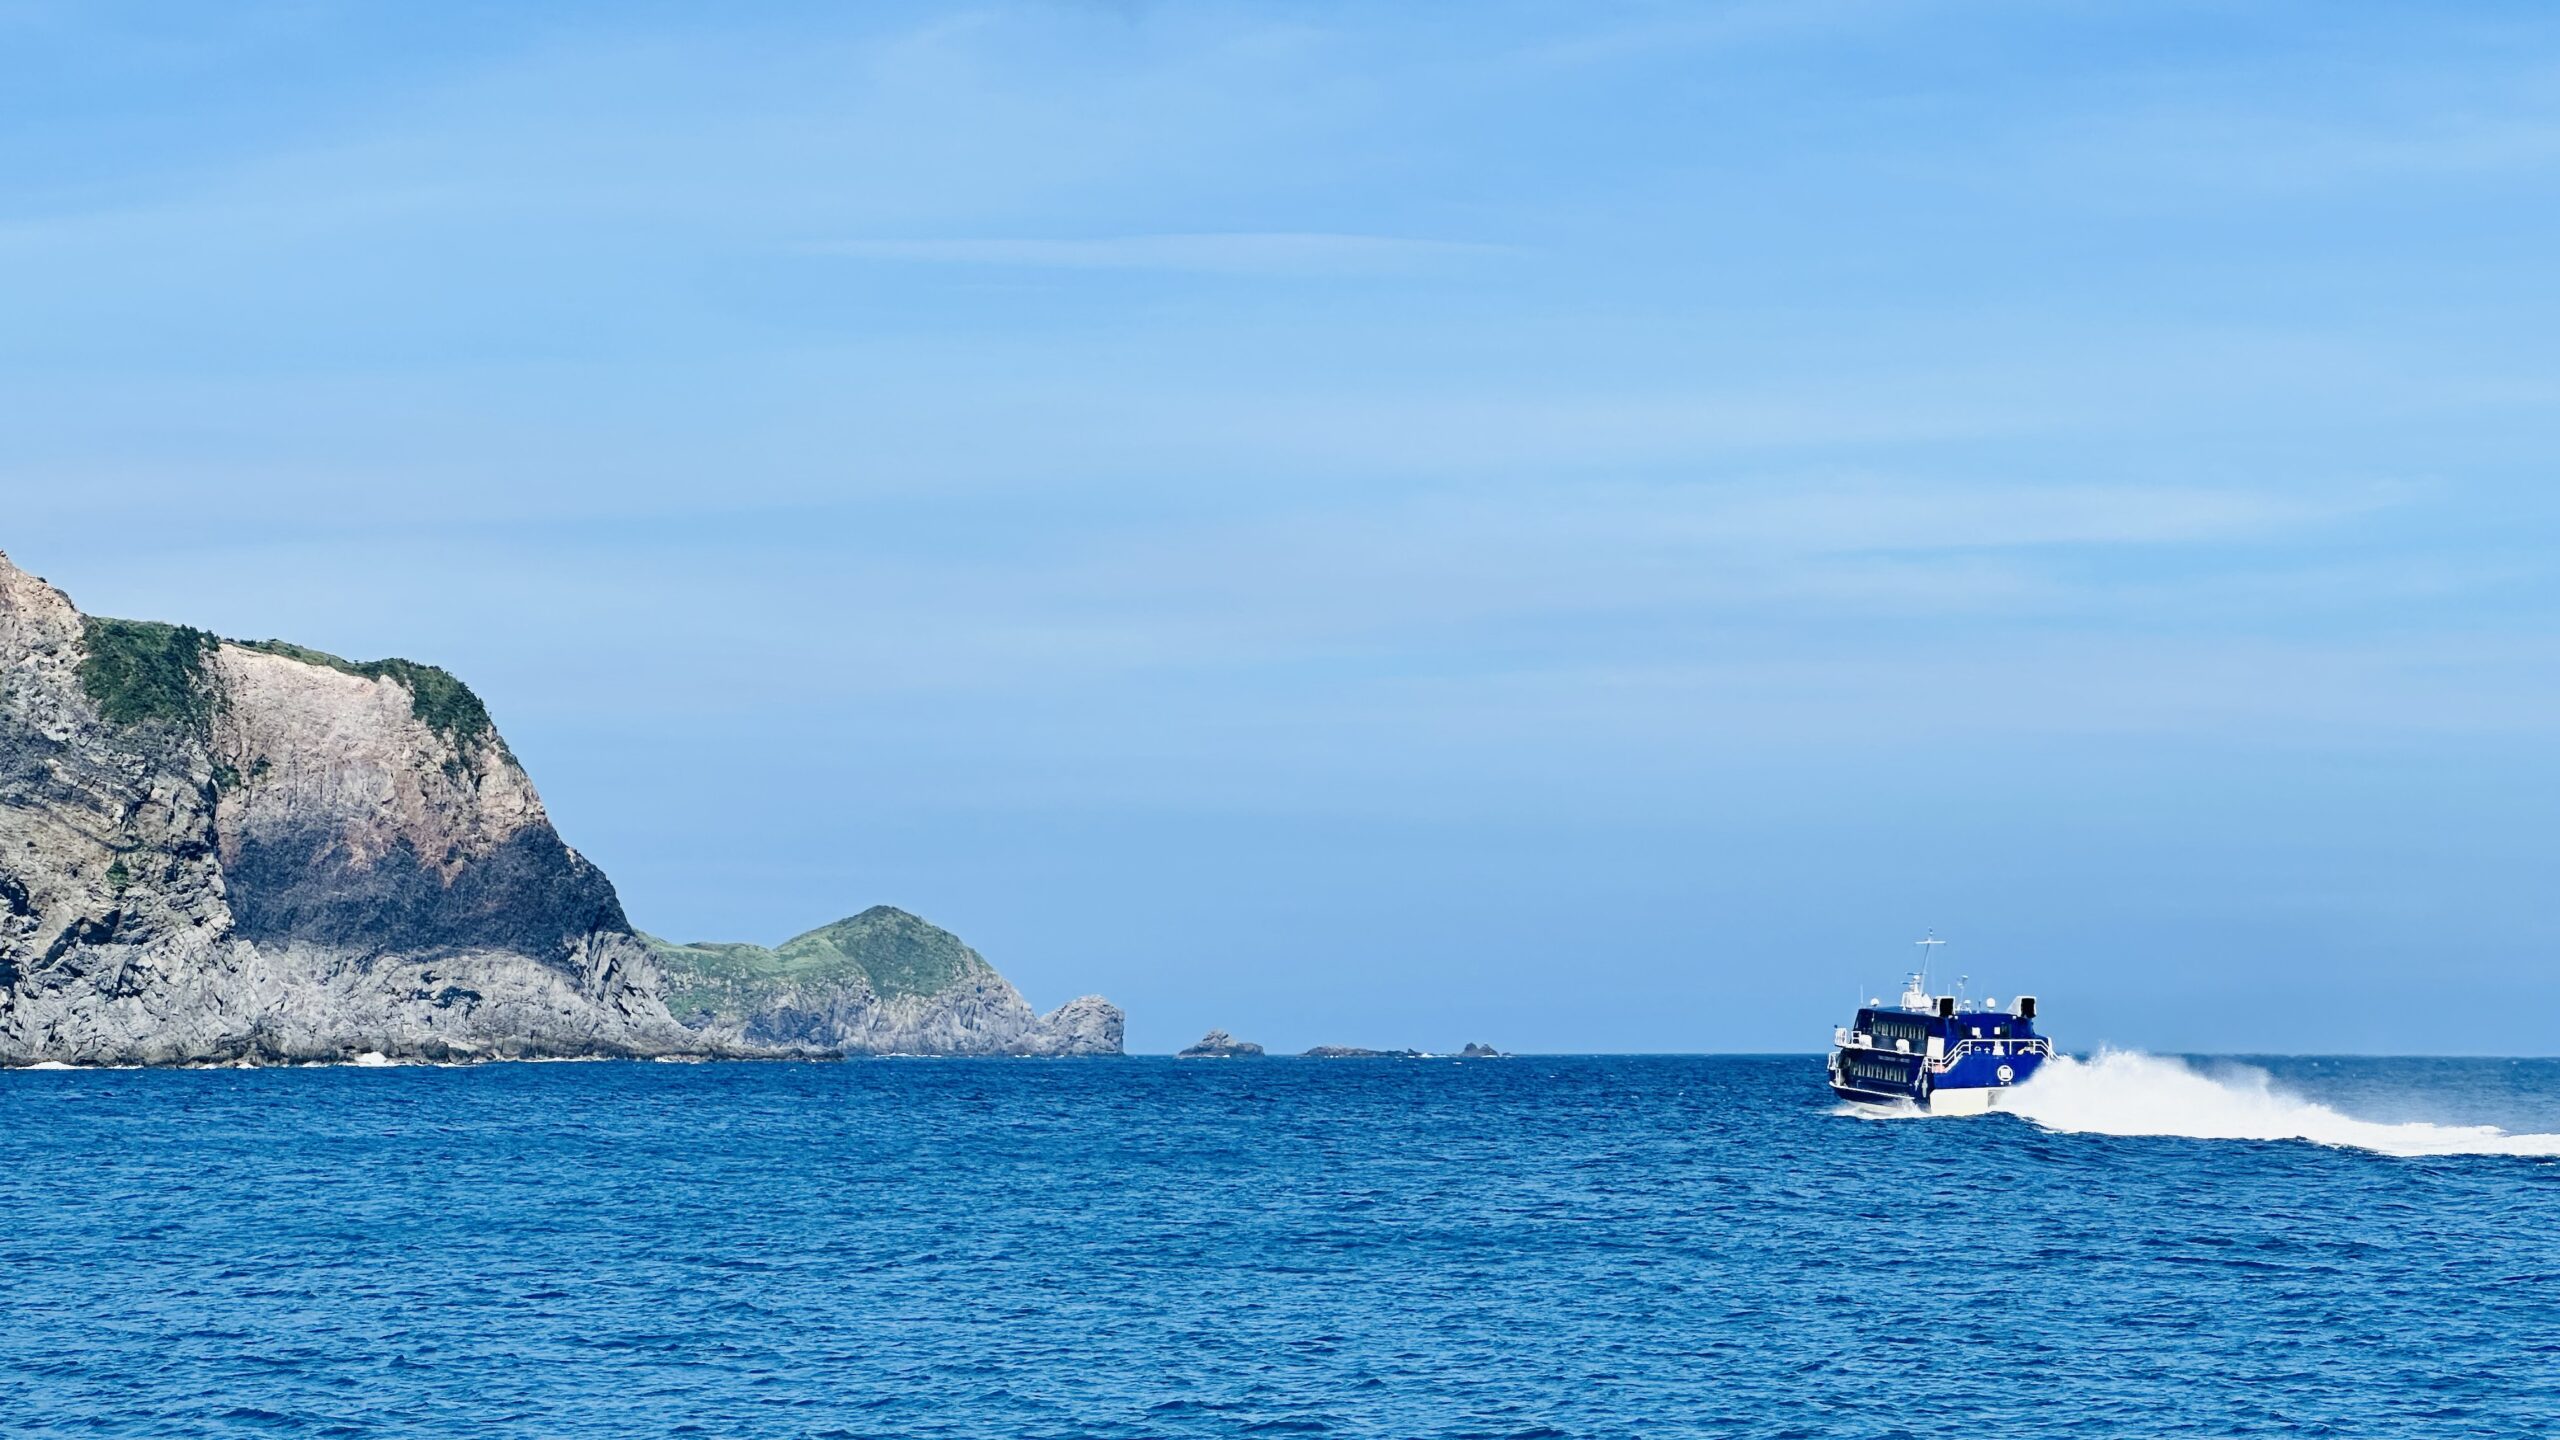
(1526, 1247)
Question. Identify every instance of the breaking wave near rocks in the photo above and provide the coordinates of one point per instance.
(2123, 1092)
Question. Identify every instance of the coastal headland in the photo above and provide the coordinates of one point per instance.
(218, 850)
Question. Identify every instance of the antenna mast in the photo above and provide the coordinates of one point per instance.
(1915, 996)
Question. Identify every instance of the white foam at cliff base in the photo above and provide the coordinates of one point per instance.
(2121, 1092)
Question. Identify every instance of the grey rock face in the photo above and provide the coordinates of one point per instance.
(1219, 1045)
(1086, 1025)
(234, 854)
(1478, 1051)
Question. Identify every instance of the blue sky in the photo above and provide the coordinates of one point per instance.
(1580, 526)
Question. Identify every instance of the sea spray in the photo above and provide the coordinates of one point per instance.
(2123, 1092)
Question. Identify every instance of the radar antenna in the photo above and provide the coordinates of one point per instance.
(1915, 995)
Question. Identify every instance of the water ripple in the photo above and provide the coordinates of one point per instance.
(1525, 1248)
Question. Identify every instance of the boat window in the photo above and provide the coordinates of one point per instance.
(1875, 1070)
(1887, 1025)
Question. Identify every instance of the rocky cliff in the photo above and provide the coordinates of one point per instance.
(881, 983)
(215, 851)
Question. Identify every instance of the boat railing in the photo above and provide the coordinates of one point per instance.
(2015, 1045)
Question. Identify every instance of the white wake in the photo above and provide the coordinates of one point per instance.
(2121, 1092)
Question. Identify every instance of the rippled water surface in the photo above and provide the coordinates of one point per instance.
(1152, 1248)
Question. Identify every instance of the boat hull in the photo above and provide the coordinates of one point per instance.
(1970, 1084)
(1952, 1100)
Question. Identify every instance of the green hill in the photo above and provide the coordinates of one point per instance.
(892, 952)
(898, 953)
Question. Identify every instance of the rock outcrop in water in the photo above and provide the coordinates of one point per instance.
(1354, 1052)
(1219, 1045)
(213, 850)
(881, 983)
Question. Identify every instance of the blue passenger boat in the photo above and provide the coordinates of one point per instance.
(1942, 1053)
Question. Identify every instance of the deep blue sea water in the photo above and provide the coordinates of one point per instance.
(1523, 1247)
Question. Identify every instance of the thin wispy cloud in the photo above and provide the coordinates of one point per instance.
(1259, 253)
(1879, 516)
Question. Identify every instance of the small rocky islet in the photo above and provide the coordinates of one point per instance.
(1219, 1045)
(1473, 1051)
(1354, 1052)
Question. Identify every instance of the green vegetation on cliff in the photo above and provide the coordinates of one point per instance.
(141, 670)
(437, 697)
(898, 953)
(892, 952)
(715, 978)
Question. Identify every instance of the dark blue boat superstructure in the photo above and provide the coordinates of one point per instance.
(1937, 1052)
